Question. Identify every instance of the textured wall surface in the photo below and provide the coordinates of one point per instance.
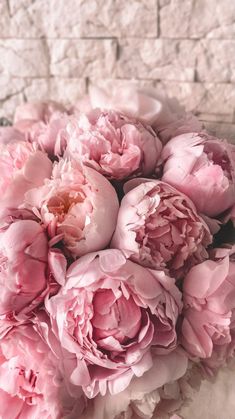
(56, 48)
(186, 48)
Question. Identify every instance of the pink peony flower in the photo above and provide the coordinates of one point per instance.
(40, 111)
(144, 395)
(43, 123)
(31, 385)
(78, 205)
(166, 116)
(208, 328)
(10, 134)
(108, 315)
(203, 168)
(159, 227)
(115, 145)
(28, 270)
(22, 167)
(51, 137)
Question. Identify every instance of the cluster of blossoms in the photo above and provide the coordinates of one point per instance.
(117, 275)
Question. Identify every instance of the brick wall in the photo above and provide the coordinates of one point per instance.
(56, 48)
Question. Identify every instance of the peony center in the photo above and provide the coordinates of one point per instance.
(62, 203)
(116, 318)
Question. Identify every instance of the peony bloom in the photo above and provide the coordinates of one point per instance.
(203, 168)
(51, 137)
(78, 205)
(166, 116)
(31, 386)
(144, 397)
(28, 270)
(22, 167)
(35, 112)
(208, 328)
(43, 123)
(10, 134)
(159, 227)
(115, 145)
(108, 315)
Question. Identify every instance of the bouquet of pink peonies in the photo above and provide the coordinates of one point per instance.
(117, 258)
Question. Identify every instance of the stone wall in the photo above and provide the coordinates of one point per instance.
(56, 48)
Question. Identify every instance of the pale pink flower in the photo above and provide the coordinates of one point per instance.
(78, 205)
(159, 227)
(208, 328)
(31, 385)
(166, 116)
(22, 168)
(202, 167)
(115, 145)
(144, 396)
(51, 137)
(108, 315)
(28, 271)
(10, 134)
(39, 111)
(43, 123)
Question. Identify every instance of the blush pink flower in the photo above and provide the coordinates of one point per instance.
(51, 137)
(22, 167)
(10, 134)
(78, 205)
(108, 315)
(28, 270)
(31, 385)
(208, 328)
(43, 123)
(144, 396)
(35, 112)
(115, 145)
(202, 167)
(166, 116)
(159, 227)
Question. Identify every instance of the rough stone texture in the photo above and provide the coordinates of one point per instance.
(202, 97)
(40, 18)
(216, 60)
(157, 59)
(66, 90)
(119, 18)
(82, 58)
(184, 48)
(107, 84)
(14, 91)
(24, 58)
(197, 19)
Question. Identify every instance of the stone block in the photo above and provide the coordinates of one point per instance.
(118, 18)
(24, 58)
(66, 90)
(197, 19)
(216, 61)
(157, 59)
(40, 18)
(82, 57)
